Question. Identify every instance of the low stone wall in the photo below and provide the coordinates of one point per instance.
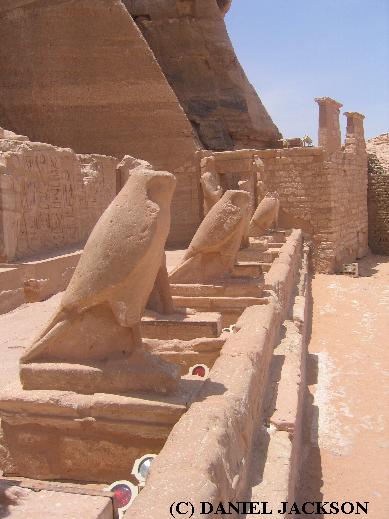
(210, 455)
(50, 198)
(378, 202)
(34, 281)
(276, 459)
(205, 456)
(281, 278)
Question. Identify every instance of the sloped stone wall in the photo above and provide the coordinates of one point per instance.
(79, 74)
(190, 41)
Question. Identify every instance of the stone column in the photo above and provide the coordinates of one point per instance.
(329, 128)
(355, 133)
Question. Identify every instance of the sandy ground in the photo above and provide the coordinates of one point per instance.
(346, 435)
(17, 331)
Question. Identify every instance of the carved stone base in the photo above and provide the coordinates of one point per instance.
(67, 436)
(142, 371)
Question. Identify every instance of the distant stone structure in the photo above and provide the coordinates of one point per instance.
(378, 193)
(322, 190)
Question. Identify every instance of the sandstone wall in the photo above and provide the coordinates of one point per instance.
(79, 74)
(379, 147)
(379, 213)
(324, 195)
(192, 46)
(50, 198)
(378, 193)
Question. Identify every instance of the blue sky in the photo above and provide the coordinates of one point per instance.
(294, 51)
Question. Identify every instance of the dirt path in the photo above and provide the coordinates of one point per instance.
(346, 434)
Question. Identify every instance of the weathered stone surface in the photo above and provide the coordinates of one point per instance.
(102, 94)
(378, 193)
(93, 342)
(378, 200)
(160, 299)
(68, 436)
(79, 74)
(11, 136)
(379, 146)
(214, 455)
(265, 216)
(329, 127)
(52, 501)
(212, 252)
(50, 198)
(192, 46)
(210, 183)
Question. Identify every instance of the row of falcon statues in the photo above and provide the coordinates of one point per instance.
(122, 270)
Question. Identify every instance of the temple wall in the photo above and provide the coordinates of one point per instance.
(322, 190)
(378, 203)
(324, 195)
(50, 198)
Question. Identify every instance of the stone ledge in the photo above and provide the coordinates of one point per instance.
(205, 457)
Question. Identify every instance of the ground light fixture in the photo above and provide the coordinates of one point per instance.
(199, 370)
(141, 468)
(124, 493)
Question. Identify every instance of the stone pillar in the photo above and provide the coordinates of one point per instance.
(329, 128)
(355, 133)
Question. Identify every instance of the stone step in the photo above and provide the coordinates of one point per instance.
(232, 288)
(276, 236)
(230, 307)
(252, 254)
(183, 326)
(266, 266)
(251, 269)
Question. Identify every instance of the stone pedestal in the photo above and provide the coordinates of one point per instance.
(92, 438)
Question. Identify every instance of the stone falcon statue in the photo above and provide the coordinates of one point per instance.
(98, 321)
(210, 183)
(265, 216)
(214, 247)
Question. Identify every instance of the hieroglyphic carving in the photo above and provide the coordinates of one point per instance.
(56, 196)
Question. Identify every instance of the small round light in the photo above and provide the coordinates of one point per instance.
(144, 467)
(124, 494)
(199, 370)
